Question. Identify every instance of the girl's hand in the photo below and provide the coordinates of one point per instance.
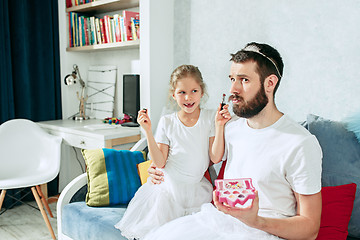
(222, 116)
(144, 120)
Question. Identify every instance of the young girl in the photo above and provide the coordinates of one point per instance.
(184, 142)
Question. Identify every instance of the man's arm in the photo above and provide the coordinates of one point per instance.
(305, 225)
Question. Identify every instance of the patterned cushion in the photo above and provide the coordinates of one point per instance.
(112, 176)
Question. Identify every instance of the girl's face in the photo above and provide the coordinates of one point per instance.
(188, 94)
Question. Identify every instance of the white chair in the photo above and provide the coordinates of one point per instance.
(29, 157)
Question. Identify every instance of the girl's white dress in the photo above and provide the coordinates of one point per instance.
(184, 189)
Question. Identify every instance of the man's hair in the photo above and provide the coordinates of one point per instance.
(267, 58)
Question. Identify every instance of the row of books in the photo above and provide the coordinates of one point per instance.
(89, 30)
(72, 3)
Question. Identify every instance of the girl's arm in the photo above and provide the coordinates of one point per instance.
(158, 152)
(217, 143)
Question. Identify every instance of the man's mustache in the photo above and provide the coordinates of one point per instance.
(237, 97)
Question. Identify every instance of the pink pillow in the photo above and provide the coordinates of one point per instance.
(337, 205)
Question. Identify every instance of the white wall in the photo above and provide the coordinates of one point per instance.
(156, 54)
(318, 40)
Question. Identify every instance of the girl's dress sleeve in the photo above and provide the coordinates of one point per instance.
(161, 132)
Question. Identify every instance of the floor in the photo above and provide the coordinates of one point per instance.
(26, 223)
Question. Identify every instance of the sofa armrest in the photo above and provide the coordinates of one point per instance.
(75, 185)
(140, 145)
(66, 195)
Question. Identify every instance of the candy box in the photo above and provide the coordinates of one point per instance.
(235, 191)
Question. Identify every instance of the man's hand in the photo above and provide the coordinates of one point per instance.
(304, 225)
(156, 176)
(248, 215)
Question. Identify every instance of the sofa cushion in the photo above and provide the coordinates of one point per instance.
(353, 124)
(341, 160)
(337, 205)
(82, 222)
(142, 169)
(112, 175)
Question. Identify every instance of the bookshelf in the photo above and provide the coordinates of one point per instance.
(153, 53)
(101, 7)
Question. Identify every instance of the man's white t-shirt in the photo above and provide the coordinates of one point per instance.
(280, 159)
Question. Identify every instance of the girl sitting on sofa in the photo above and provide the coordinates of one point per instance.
(184, 142)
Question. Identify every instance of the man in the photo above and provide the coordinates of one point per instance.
(282, 158)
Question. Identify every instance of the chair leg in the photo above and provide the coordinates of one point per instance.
(43, 213)
(44, 201)
(2, 197)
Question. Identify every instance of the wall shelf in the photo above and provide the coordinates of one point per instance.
(102, 6)
(106, 46)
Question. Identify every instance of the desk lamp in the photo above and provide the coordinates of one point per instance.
(71, 79)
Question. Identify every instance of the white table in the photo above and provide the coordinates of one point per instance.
(86, 134)
(89, 134)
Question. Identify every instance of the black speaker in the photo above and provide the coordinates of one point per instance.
(131, 98)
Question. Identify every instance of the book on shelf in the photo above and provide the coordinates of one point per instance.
(122, 29)
(68, 3)
(71, 44)
(135, 28)
(127, 23)
(72, 3)
(117, 28)
(76, 24)
(89, 31)
(82, 29)
(102, 30)
(93, 30)
(107, 29)
(112, 29)
(98, 31)
(86, 31)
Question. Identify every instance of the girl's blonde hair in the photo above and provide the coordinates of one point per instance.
(184, 71)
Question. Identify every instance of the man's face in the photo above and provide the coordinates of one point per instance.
(248, 93)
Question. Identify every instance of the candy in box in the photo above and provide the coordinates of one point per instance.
(234, 191)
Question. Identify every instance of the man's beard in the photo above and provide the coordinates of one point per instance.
(252, 107)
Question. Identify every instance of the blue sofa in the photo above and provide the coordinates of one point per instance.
(341, 165)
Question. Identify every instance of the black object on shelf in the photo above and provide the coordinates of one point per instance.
(131, 98)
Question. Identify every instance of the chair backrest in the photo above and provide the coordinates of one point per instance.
(28, 155)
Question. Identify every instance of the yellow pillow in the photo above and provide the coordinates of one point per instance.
(142, 170)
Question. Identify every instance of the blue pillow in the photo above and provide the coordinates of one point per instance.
(341, 159)
(353, 124)
(112, 176)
